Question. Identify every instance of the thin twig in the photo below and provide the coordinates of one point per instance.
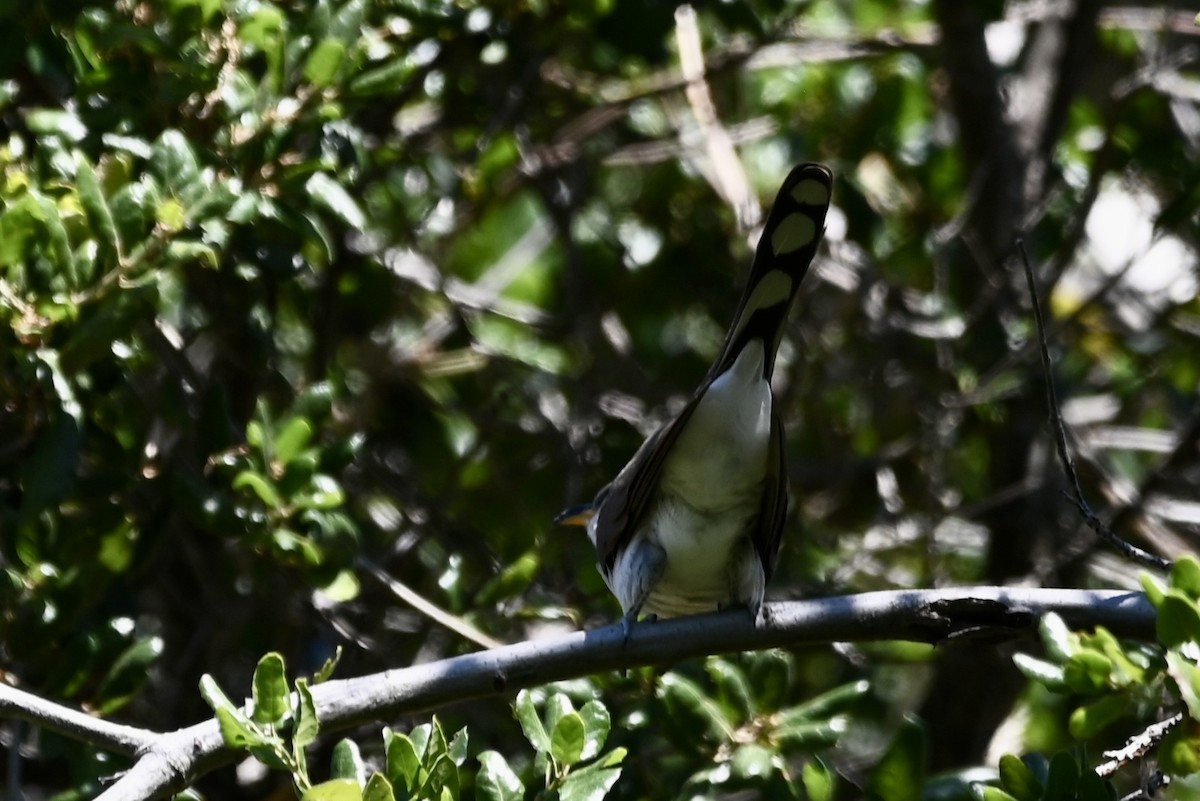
(1093, 521)
(729, 176)
(431, 610)
(1137, 745)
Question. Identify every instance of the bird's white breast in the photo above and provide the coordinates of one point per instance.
(711, 493)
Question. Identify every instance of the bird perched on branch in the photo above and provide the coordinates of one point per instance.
(693, 522)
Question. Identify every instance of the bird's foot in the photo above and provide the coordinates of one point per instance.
(758, 611)
(629, 619)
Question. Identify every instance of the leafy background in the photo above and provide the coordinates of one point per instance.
(293, 291)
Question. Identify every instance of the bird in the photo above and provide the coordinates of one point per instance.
(694, 521)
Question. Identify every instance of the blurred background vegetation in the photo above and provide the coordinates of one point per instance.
(292, 291)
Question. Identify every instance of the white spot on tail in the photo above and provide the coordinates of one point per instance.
(772, 289)
(811, 192)
(793, 232)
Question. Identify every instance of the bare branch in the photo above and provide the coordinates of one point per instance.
(124, 740)
(728, 174)
(167, 763)
(1137, 746)
(1128, 549)
(431, 610)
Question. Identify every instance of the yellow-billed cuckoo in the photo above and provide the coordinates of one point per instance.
(693, 522)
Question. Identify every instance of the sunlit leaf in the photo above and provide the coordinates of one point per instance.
(497, 781)
(270, 689)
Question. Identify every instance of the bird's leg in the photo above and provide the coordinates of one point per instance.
(638, 572)
(758, 613)
(627, 621)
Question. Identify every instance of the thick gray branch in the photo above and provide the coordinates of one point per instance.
(104, 734)
(168, 763)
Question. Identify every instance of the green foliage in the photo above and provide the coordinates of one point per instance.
(1062, 778)
(288, 288)
(275, 710)
(1109, 681)
(742, 717)
(563, 739)
(424, 764)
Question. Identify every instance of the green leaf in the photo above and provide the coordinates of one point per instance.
(1062, 778)
(443, 775)
(18, 230)
(347, 762)
(496, 781)
(818, 780)
(326, 493)
(331, 196)
(116, 547)
(114, 320)
(1059, 640)
(262, 28)
(387, 79)
(237, 731)
(991, 793)
(48, 473)
(806, 735)
(304, 716)
(1018, 779)
(512, 581)
(1126, 670)
(344, 587)
(688, 702)
(557, 705)
(56, 122)
(436, 745)
(100, 216)
(593, 782)
(1155, 590)
(597, 724)
(127, 674)
(1178, 620)
(1088, 721)
(1092, 788)
(1087, 672)
(174, 162)
(324, 62)
(334, 790)
(294, 435)
(900, 774)
(185, 251)
(1179, 752)
(1187, 678)
(328, 667)
(828, 703)
(1185, 576)
(378, 789)
(733, 686)
(1039, 670)
(531, 724)
(421, 737)
(294, 545)
(566, 744)
(213, 695)
(270, 690)
(752, 761)
(268, 752)
(260, 485)
(60, 243)
(403, 761)
(457, 749)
